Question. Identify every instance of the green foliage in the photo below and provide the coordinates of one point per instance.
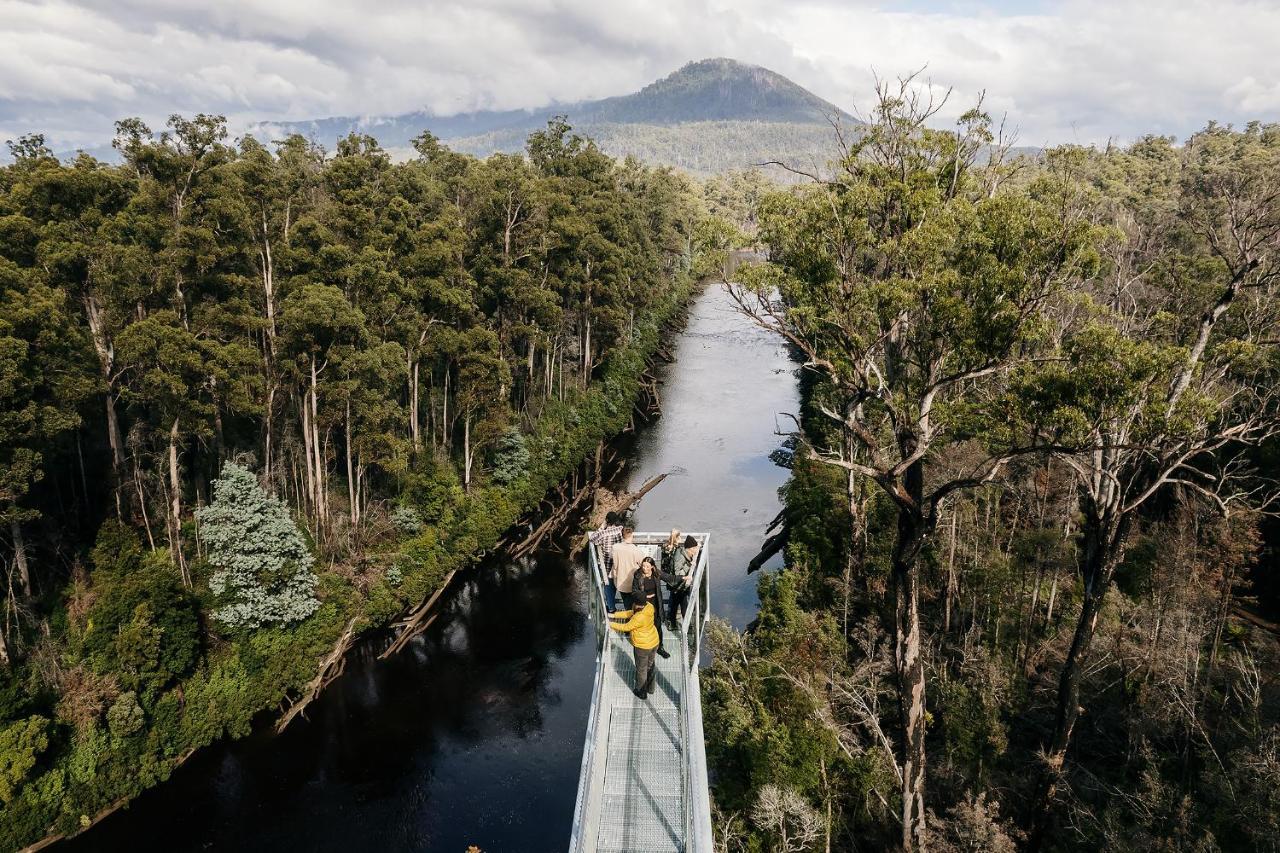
(369, 333)
(21, 744)
(510, 457)
(262, 566)
(143, 627)
(125, 717)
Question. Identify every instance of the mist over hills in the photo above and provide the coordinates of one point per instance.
(707, 117)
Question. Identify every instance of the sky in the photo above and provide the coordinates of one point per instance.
(1083, 71)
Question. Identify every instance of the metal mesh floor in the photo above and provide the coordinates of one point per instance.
(643, 804)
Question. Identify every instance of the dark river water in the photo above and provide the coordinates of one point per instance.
(473, 734)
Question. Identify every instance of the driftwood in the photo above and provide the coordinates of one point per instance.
(648, 404)
(551, 523)
(330, 668)
(773, 544)
(566, 504)
(608, 501)
(418, 620)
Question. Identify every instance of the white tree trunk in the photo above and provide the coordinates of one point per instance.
(351, 474)
(466, 452)
(175, 506)
(20, 556)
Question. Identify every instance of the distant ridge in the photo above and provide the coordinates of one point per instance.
(708, 116)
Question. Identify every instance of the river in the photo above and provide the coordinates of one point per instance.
(473, 734)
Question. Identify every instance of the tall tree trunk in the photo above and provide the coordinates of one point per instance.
(444, 414)
(308, 456)
(351, 474)
(142, 504)
(1104, 542)
(20, 556)
(586, 351)
(466, 451)
(266, 427)
(415, 425)
(951, 573)
(175, 506)
(106, 367)
(322, 500)
(908, 660)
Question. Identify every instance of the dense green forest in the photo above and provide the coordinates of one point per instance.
(1027, 519)
(255, 400)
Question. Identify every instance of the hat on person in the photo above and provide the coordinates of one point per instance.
(690, 542)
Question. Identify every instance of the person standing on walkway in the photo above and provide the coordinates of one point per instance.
(669, 549)
(646, 586)
(644, 641)
(626, 559)
(605, 538)
(680, 579)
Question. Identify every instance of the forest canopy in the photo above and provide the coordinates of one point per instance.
(1029, 497)
(256, 397)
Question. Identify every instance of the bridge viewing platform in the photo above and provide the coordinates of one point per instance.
(643, 785)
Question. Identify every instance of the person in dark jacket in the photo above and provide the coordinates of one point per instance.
(680, 578)
(647, 583)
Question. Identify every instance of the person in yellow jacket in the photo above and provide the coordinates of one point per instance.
(644, 642)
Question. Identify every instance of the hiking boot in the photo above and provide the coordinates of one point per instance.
(663, 653)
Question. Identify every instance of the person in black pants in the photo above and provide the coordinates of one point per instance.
(647, 583)
(679, 579)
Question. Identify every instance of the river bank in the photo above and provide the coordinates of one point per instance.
(284, 662)
(473, 735)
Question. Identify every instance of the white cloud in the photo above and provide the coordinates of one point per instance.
(1080, 70)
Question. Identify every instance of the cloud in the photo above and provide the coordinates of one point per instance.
(1080, 70)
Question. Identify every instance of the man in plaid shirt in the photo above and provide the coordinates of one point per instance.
(606, 537)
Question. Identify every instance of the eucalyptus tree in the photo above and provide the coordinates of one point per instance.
(913, 295)
(1170, 360)
(183, 265)
(61, 221)
(320, 331)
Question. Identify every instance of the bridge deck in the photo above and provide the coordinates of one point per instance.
(644, 783)
(642, 807)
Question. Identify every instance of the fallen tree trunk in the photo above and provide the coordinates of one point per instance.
(330, 668)
(418, 620)
(608, 501)
(772, 545)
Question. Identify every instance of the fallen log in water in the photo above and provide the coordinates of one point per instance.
(772, 545)
(418, 620)
(608, 501)
(330, 668)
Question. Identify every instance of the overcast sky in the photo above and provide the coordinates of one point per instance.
(1078, 70)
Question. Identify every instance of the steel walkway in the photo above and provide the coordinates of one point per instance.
(644, 774)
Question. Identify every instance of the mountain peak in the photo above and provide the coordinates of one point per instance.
(716, 89)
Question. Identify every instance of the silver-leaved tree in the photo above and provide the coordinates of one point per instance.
(262, 567)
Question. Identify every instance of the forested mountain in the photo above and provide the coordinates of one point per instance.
(707, 117)
(255, 400)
